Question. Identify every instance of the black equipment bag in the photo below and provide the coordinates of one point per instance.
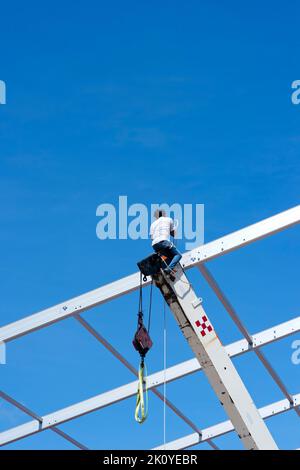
(151, 265)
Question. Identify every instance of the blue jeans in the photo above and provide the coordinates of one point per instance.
(168, 249)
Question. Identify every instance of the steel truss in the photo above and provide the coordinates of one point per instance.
(197, 257)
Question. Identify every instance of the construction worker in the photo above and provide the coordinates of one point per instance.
(160, 231)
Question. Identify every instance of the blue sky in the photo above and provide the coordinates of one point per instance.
(162, 102)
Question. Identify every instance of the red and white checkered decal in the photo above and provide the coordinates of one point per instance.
(204, 326)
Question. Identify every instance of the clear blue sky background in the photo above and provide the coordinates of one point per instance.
(170, 101)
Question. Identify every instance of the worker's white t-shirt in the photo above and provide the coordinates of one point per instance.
(160, 229)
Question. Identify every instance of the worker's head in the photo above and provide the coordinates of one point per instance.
(159, 213)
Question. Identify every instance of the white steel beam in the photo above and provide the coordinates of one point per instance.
(220, 371)
(130, 283)
(243, 237)
(226, 426)
(183, 369)
(31, 413)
